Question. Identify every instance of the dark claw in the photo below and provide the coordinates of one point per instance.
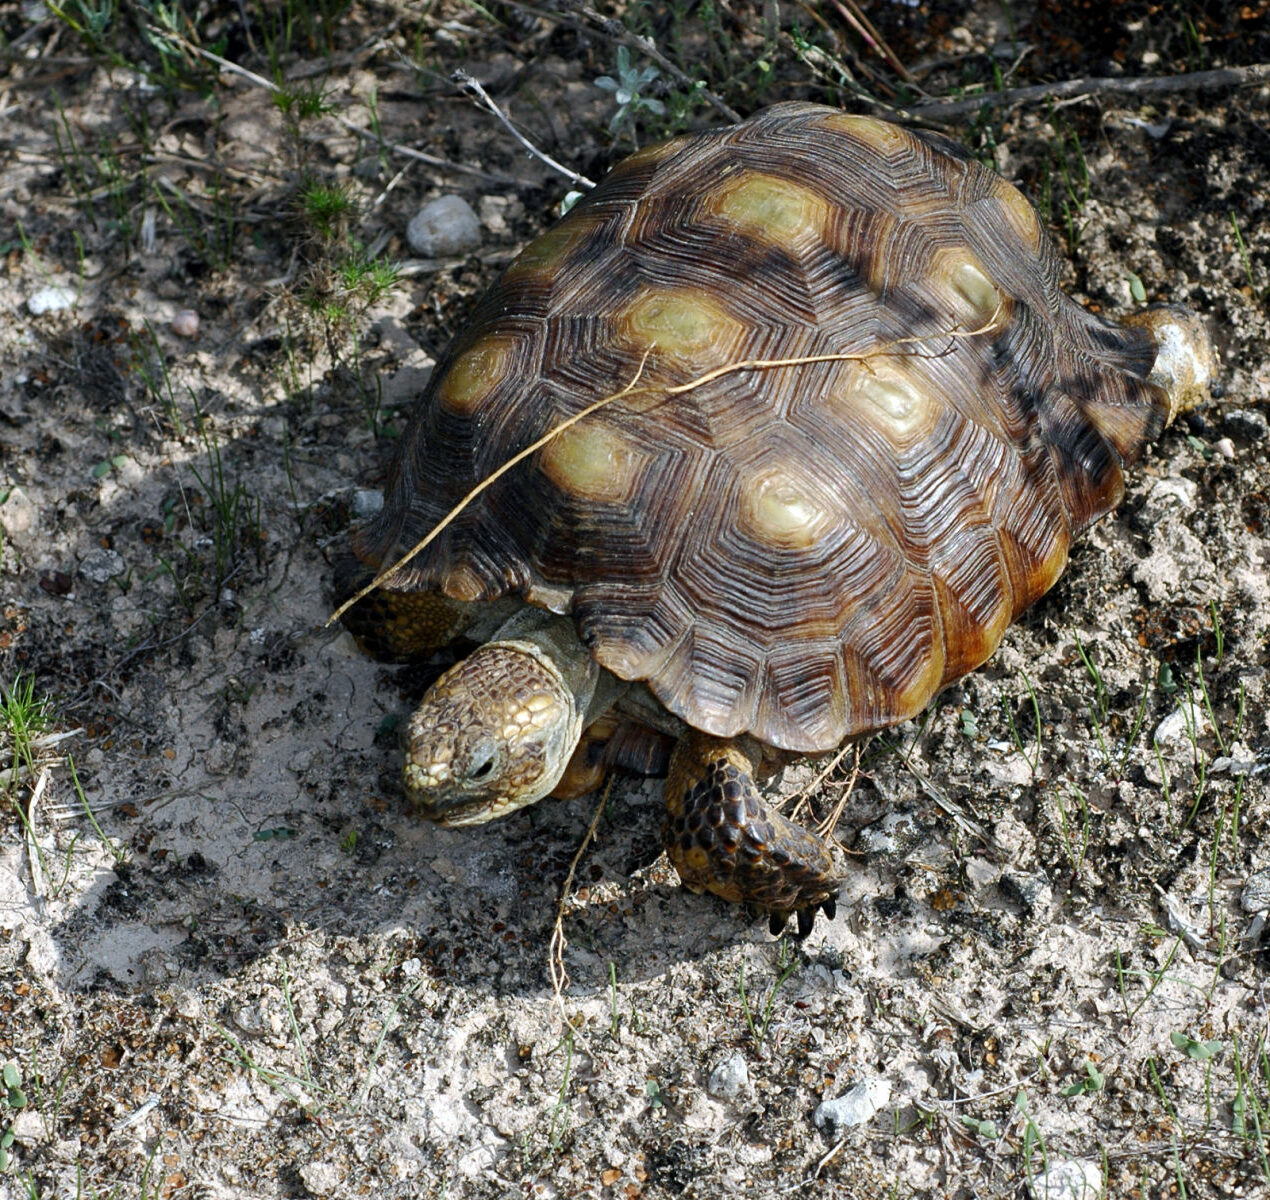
(776, 922)
(830, 907)
(806, 919)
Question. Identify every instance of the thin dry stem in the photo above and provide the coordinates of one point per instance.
(555, 951)
(360, 130)
(465, 81)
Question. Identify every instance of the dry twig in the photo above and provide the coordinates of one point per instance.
(465, 81)
(1072, 88)
(555, 952)
(360, 130)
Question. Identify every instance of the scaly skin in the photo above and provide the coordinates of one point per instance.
(397, 626)
(503, 729)
(722, 839)
(493, 734)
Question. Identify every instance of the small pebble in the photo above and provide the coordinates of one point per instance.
(185, 323)
(17, 513)
(444, 228)
(322, 1179)
(50, 299)
(857, 1105)
(367, 502)
(1256, 894)
(1224, 447)
(1247, 423)
(1031, 891)
(1074, 1179)
(101, 566)
(1183, 722)
(729, 1078)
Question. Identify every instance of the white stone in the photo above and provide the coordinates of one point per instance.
(101, 565)
(729, 1077)
(444, 227)
(1183, 722)
(50, 299)
(857, 1105)
(17, 513)
(1074, 1179)
(1255, 897)
(322, 1179)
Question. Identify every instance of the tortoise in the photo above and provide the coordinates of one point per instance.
(701, 543)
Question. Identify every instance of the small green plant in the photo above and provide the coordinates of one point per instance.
(1193, 1048)
(1093, 1082)
(14, 1100)
(628, 93)
(785, 966)
(984, 1128)
(23, 717)
(326, 209)
(235, 514)
(1033, 1141)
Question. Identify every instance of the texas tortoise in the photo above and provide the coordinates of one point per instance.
(751, 556)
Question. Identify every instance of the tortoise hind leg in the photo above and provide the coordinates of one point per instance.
(722, 839)
(396, 626)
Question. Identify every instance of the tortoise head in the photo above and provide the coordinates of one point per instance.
(493, 734)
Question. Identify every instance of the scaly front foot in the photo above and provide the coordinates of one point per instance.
(722, 839)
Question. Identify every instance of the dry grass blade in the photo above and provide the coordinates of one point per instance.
(851, 12)
(555, 951)
(469, 84)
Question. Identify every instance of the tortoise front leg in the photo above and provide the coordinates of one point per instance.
(723, 840)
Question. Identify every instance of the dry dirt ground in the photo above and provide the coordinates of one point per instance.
(231, 962)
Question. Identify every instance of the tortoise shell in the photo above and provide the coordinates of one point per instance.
(802, 552)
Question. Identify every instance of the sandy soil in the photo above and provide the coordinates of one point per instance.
(251, 973)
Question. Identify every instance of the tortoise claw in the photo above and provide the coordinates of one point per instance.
(806, 917)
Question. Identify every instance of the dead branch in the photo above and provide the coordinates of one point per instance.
(1072, 88)
(469, 84)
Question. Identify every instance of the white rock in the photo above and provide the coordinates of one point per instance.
(1074, 1179)
(50, 299)
(101, 566)
(1255, 897)
(857, 1105)
(729, 1077)
(1181, 723)
(444, 227)
(322, 1179)
(185, 323)
(17, 513)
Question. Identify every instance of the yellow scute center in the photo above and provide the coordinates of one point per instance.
(777, 509)
(770, 208)
(974, 299)
(476, 373)
(592, 462)
(890, 396)
(678, 321)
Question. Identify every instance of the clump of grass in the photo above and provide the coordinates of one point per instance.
(757, 1020)
(23, 717)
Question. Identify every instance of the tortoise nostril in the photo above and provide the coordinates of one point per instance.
(482, 768)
